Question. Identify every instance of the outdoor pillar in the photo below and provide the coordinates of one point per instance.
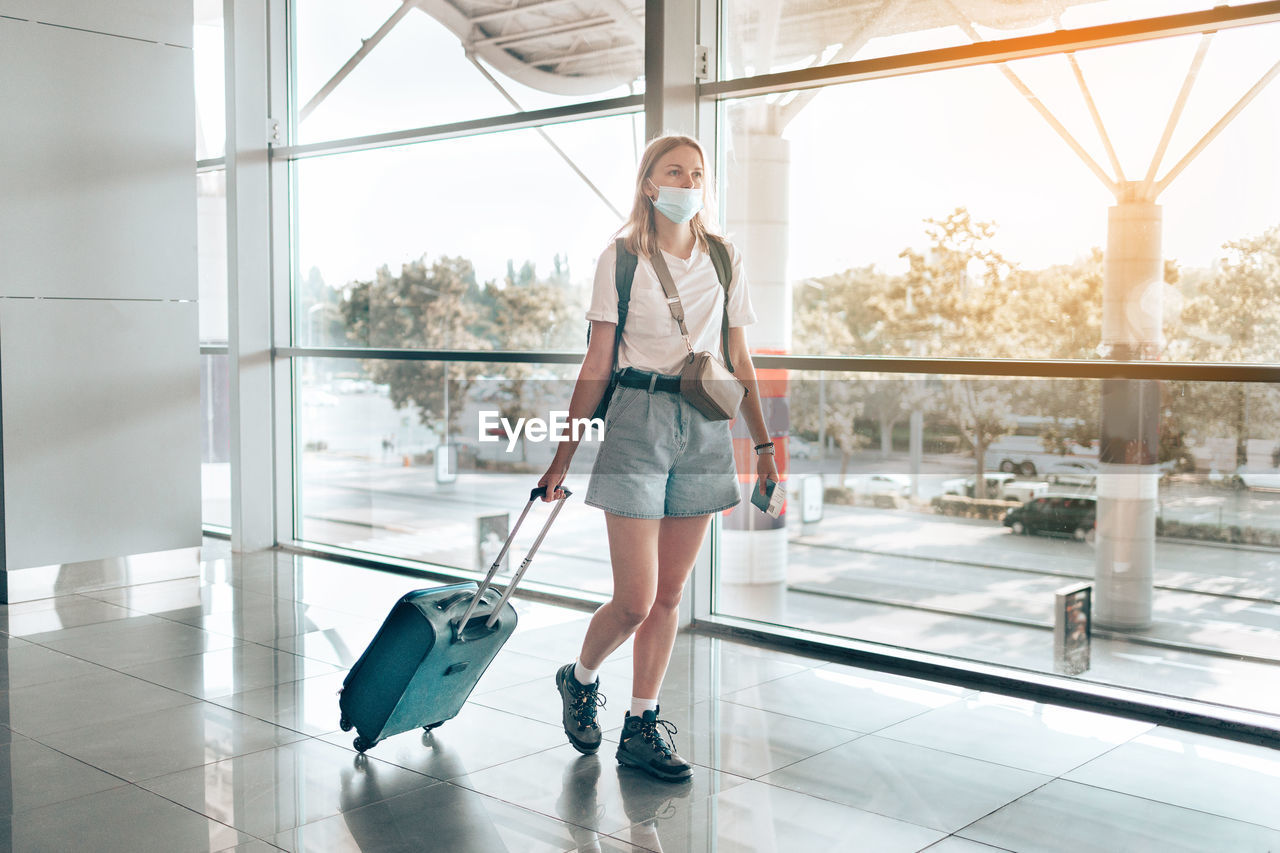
(753, 546)
(1132, 314)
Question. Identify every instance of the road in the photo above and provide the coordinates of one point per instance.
(902, 577)
(1213, 596)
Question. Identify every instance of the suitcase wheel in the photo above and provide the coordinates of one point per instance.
(432, 726)
(344, 724)
(361, 744)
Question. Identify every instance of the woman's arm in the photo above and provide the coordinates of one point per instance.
(593, 376)
(593, 379)
(745, 370)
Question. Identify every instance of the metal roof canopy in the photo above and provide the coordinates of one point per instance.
(582, 47)
(588, 46)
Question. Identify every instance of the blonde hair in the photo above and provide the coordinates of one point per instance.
(639, 232)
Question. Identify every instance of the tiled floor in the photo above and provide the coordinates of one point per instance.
(201, 715)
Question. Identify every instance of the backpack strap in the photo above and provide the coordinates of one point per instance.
(624, 272)
(724, 271)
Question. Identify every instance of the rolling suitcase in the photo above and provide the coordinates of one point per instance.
(432, 649)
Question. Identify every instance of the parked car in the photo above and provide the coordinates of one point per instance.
(1024, 466)
(1263, 482)
(798, 448)
(967, 487)
(1072, 472)
(1023, 490)
(884, 484)
(1072, 515)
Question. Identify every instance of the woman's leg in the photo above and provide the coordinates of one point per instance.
(634, 551)
(679, 540)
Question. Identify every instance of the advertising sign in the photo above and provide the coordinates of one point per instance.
(491, 532)
(1072, 628)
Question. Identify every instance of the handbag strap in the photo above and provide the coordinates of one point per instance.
(677, 307)
(673, 296)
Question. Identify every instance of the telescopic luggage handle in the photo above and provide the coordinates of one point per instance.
(541, 491)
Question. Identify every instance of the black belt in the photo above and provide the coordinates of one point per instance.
(632, 378)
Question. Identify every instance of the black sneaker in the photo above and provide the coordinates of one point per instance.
(580, 702)
(643, 747)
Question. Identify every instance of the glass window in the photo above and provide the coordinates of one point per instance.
(211, 116)
(940, 215)
(886, 544)
(766, 36)
(211, 224)
(414, 246)
(412, 460)
(418, 73)
(211, 241)
(215, 440)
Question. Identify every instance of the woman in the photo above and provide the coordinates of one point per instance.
(663, 468)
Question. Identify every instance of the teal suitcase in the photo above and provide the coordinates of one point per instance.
(432, 649)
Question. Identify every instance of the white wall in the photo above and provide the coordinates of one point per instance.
(99, 356)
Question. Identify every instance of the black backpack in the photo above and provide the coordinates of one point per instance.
(625, 272)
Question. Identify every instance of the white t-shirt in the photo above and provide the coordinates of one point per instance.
(651, 338)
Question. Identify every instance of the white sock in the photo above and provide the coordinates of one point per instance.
(583, 675)
(639, 706)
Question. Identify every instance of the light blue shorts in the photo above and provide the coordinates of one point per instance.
(662, 457)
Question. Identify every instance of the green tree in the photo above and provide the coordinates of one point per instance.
(817, 400)
(953, 300)
(528, 314)
(1236, 318)
(427, 306)
(1057, 311)
(981, 410)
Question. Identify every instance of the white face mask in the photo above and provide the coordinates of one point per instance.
(677, 203)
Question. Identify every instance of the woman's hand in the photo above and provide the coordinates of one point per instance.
(766, 469)
(554, 477)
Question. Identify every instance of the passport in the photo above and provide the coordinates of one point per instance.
(770, 503)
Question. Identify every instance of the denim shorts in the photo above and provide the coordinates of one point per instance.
(662, 457)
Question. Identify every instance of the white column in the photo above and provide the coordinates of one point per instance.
(753, 546)
(249, 276)
(758, 190)
(1132, 313)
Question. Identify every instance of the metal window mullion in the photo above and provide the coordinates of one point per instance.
(475, 127)
(1000, 50)
(1007, 368)
(283, 247)
(699, 603)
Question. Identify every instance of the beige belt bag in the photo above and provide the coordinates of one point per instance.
(708, 385)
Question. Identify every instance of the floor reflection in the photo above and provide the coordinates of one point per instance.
(117, 725)
(648, 803)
